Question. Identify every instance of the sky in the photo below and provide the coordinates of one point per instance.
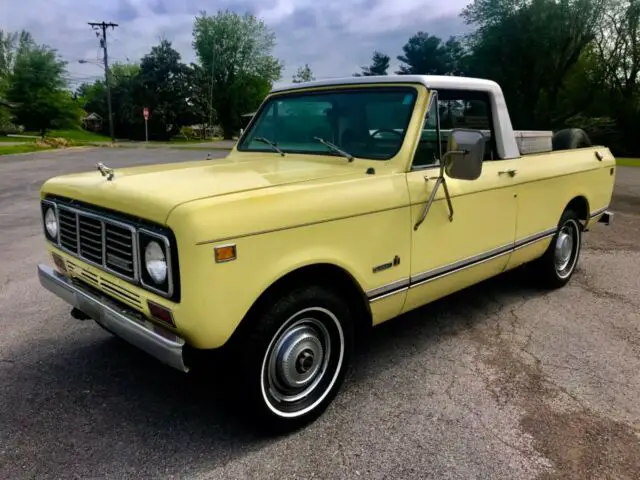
(335, 37)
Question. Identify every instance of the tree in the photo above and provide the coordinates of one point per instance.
(304, 74)
(426, 54)
(125, 100)
(11, 43)
(165, 89)
(379, 65)
(37, 87)
(161, 83)
(236, 50)
(616, 63)
(531, 47)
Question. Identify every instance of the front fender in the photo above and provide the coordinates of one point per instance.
(217, 296)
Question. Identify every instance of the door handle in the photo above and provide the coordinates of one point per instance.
(511, 173)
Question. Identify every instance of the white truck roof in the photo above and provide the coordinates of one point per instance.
(429, 81)
(506, 143)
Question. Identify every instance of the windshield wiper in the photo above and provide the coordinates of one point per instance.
(270, 143)
(334, 148)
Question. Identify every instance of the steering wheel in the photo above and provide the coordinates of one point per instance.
(386, 130)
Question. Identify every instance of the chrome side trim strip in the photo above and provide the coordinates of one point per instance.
(526, 241)
(419, 279)
(375, 299)
(389, 287)
(598, 212)
(460, 264)
(457, 269)
(158, 342)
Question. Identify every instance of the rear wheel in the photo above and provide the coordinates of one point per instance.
(556, 267)
(294, 356)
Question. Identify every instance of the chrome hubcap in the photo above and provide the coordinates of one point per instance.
(298, 360)
(297, 357)
(566, 248)
(302, 362)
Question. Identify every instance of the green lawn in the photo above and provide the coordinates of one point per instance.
(74, 135)
(14, 139)
(628, 162)
(25, 148)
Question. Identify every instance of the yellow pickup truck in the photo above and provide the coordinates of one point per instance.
(344, 204)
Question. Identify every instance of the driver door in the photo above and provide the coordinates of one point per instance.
(449, 255)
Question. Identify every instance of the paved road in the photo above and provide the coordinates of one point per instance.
(499, 381)
(217, 145)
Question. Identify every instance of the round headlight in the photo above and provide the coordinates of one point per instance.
(51, 223)
(155, 262)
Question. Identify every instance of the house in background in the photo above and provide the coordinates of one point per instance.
(92, 122)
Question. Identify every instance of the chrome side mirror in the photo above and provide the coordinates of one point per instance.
(465, 153)
(463, 161)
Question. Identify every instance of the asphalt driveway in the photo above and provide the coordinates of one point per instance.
(498, 381)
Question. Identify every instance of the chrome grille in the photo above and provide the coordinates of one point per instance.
(90, 238)
(68, 230)
(119, 249)
(99, 241)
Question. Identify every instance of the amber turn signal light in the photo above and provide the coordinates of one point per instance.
(225, 253)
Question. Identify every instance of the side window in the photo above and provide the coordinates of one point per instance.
(427, 150)
(466, 109)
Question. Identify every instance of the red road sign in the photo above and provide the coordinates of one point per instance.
(145, 112)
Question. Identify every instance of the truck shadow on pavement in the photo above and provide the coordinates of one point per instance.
(91, 405)
(451, 315)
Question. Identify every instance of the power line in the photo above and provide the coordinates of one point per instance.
(103, 43)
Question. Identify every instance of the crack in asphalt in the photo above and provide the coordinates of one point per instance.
(567, 439)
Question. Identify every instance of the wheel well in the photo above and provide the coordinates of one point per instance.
(580, 205)
(325, 274)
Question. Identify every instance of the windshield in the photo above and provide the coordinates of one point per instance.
(367, 123)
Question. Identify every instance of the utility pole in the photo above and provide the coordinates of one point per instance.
(107, 74)
(211, 91)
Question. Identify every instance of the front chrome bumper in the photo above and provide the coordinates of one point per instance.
(147, 336)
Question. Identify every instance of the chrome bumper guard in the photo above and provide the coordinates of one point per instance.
(606, 217)
(152, 339)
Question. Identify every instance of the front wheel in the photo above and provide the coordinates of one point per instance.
(294, 357)
(556, 267)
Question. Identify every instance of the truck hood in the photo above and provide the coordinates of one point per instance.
(151, 192)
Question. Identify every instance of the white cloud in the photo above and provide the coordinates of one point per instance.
(335, 37)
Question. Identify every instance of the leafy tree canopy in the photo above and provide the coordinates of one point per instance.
(303, 74)
(379, 65)
(38, 89)
(426, 54)
(236, 50)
